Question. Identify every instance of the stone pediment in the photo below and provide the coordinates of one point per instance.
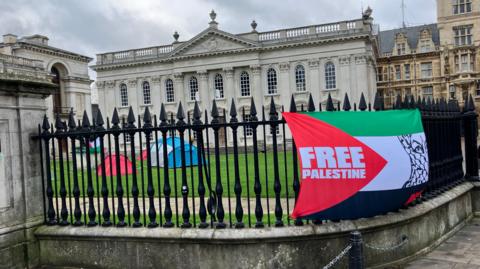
(211, 42)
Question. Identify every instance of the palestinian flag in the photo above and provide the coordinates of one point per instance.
(358, 164)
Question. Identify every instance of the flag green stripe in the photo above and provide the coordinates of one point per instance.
(379, 123)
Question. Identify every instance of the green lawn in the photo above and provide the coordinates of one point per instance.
(227, 172)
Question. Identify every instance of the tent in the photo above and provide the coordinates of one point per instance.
(111, 159)
(174, 148)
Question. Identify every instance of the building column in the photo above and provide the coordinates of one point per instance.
(256, 90)
(283, 85)
(112, 99)
(178, 87)
(156, 93)
(205, 96)
(228, 86)
(313, 80)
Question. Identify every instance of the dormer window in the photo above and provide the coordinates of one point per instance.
(462, 6)
(425, 45)
(401, 48)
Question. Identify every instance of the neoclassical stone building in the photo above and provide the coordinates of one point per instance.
(68, 70)
(335, 58)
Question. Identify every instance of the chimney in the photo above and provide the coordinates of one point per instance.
(9, 39)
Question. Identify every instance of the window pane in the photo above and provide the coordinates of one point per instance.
(218, 86)
(244, 84)
(169, 93)
(193, 88)
(123, 95)
(271, 81)
(300, 78)
(330, 80)
(146, 93)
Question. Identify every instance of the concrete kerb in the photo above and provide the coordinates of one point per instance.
(377, 230)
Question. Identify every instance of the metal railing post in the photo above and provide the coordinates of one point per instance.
(355, 255)
(471, 132)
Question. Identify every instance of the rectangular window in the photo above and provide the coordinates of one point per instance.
(380, 73)
(407, 71)
(463, 35)
(477, 91)
(398, 72)
(457, 64)
(248, 129)
(425, 45)
(428, 92)
(461, 6)
(400, 48)
(426, 69)
(465, 63)
(452, 90)
(408, 91)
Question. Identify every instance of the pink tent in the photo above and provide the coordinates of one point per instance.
(143, 156)
(111, 159)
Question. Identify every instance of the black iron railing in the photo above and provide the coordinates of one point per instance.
(227, 173)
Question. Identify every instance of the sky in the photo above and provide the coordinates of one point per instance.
(90, 27)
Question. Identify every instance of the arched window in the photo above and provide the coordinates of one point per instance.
(330, 81)
(218, 81)
(169, 93)
(123, 95)
(193, 88)
(147, 100)
(300, 78)
(271, 81)
(244, 84)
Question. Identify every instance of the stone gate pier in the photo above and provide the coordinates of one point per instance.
(24, 85)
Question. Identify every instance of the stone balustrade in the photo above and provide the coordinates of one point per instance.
(270, 37)
(19, 68)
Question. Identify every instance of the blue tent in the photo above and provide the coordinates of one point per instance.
(174, 148)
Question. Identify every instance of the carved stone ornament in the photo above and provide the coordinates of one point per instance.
(313, 63)
(110, 84)
(255, 69)
(284, 67)
(132, 82)
(156, 79)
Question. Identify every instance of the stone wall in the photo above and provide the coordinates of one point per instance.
(310, 246)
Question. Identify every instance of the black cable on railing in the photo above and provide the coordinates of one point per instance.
(152, 213)
(63, 191)
(90, 191)
(181, 130)
(257, 187)
(218, 177)
(130, 129)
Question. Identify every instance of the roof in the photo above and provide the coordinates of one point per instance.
(386, 38)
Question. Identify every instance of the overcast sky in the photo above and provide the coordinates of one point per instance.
(95, 26)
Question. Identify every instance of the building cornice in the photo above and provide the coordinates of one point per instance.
(53, 51)
(260, 48)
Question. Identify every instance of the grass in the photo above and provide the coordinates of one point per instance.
(227, 172)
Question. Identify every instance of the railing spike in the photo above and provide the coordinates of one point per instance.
(131, 118)
(147, 118)
(311, 104)
(215, 113)
(45, 124)
(354, 106)
(115, 118)
(163, 114)
(273, 108)
(471, 104)
(197, 114)
(376, 102)
(58, 123)
(180, 112)
(398, 102)
(253, 109)
(71, 120)
(233, 109)
(85, 120)
(363, 104)
(99, 118)
(330, 103)
(293, 106)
